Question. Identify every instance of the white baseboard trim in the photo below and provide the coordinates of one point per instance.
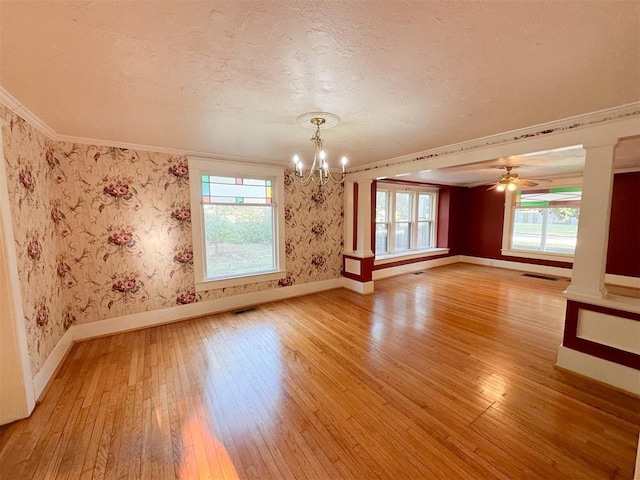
(611, 279)
(414, 267)
(139, 320)
(619, 376)
(358, 287)
(136, 321)
(525, 267)
(54, 360)
(622, 281)
(152, 318)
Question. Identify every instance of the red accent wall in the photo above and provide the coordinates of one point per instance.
(483, 216)
(450, 208)
(482, 220)
(470, 223)
(623, 257)
(355, 217)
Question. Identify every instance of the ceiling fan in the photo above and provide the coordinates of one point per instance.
(511, 181)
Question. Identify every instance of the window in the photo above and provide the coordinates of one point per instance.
(382, 222)
(404, 219)
(425, 220)
(403, 223)
(237, 225)
(545, 221)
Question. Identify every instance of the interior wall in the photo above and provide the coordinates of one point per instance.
(450, 208)
(17, 398)
(483, 216)
(103, 232)
(33, 185)
(623, 255)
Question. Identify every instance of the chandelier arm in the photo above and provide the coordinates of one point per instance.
(335, 180)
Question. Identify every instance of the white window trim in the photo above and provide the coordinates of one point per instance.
(210, 166)
(509, 213)
(385, 258)
(391, 199)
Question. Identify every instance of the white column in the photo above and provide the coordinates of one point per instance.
(348, 217)
(590, 259)
(364, 219)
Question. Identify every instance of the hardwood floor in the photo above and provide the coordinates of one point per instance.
(447, 374)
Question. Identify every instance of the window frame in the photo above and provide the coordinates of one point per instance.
(508, 225)
(392, 190)
(211, 166)
(386, 223)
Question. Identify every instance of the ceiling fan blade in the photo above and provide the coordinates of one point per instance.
(493, 187)
(527, 183)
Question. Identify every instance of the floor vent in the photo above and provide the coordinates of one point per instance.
(418, 273)
(537, 275)
(244, 310)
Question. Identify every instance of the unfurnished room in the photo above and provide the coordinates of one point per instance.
(278, 239)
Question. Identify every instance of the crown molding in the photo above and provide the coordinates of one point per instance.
(168, 151)
(556, 126)
(14, 105)
(584, 120)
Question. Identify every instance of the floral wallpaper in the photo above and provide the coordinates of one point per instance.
(102, 232)
(33, 186)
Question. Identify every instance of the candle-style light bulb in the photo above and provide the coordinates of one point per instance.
(511, 187)
(500, 188)
(298, 163)
(343, 162)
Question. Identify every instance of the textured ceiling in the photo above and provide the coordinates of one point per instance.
(230, 78)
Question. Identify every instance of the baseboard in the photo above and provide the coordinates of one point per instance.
(622, 281)
(614, 374)
(611, 279)
(152, 318)
(47, 372)
(359, 287)
(525, 267)
(414, 267)
(136, 321)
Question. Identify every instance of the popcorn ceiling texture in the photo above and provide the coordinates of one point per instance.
(102, 232)
(230, 78)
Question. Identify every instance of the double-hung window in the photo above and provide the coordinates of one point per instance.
(237, 212)
(543, 222)
(405, 219)
(382, 221)
(426, 233)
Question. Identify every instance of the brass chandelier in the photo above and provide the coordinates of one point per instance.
(319, 173)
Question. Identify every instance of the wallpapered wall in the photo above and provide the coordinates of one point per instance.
(102, 232)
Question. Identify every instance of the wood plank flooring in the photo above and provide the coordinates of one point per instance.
(447, 374)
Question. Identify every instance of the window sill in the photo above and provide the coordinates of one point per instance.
(394, 257)
(235, 281)
(554, 257)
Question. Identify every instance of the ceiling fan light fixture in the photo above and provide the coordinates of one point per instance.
(510, 181)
